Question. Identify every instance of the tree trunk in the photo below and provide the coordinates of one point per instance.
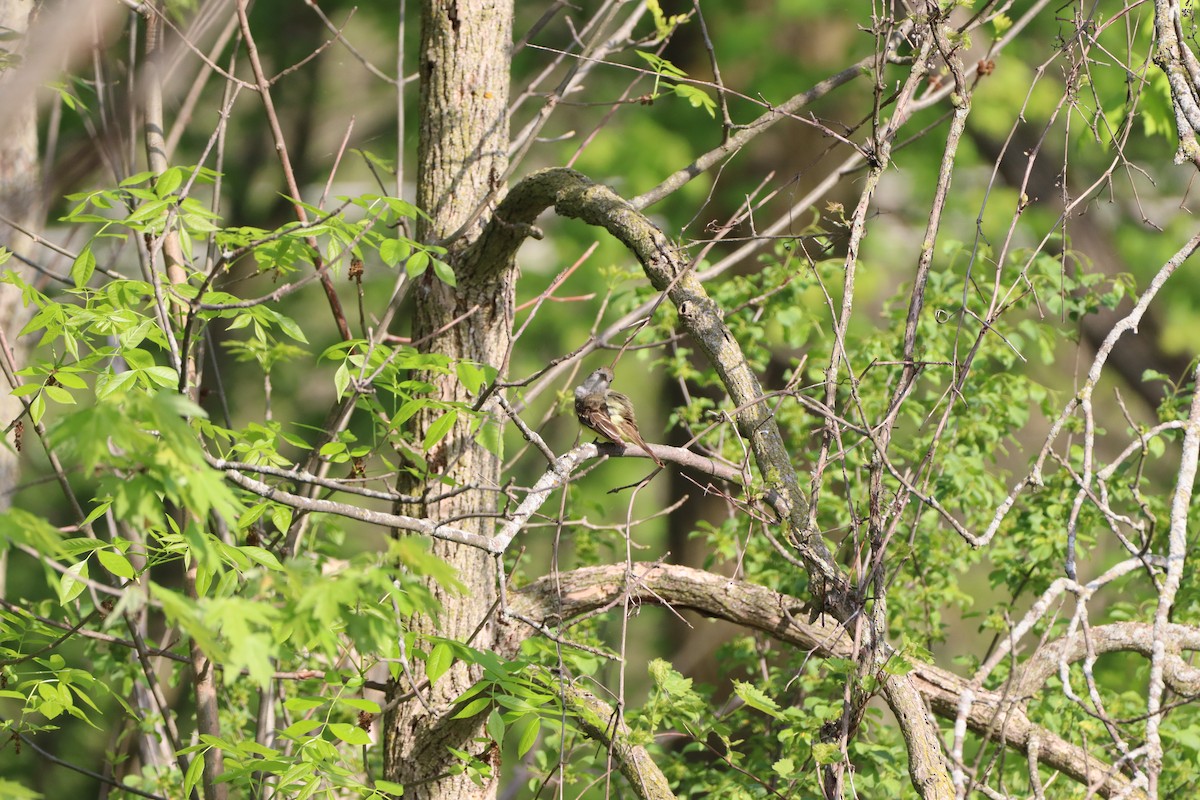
(20, 201)
(464, 60)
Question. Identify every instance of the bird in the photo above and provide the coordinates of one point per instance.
(608, 413)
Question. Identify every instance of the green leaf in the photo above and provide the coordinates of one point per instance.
(191, 778)
(825, 753)
(669, 679)
(533, 726)
(661, 65)
(489, 437)
(109, 383)
(239, 321)
(264, 557)
(291, 328)
(96, 512)
(406, 411)
(663, 25)
(138, 359)
(116, 563)
(166, 377)
(169, 181)
(136, 179)
(298, 705)
(474, 707)
(698, 98)
(341, 379)
(16, 791)
(71, 583)
(393, 251)
(389, 787)
(350, 734)
(471, 375)
(147, 211)
(438, 430)
(495, 725)
(281, 516)
(330, 449)
(83, 267)
(361, 704)
(898, 665)
(70, 379)
(440, 659)
(301, 727)
(417, 263)
(443, 271)
(59, 395)
(756, 698)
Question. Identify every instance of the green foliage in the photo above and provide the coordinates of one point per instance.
(664, 26)
(665, 70)
(106, 387)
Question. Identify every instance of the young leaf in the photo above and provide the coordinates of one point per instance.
(826, 753)
(474, 707)
(350, 734)
(116, 563)
(471, 375)
(298, 705)
(495, 725)
(697, 97)
(440, 659)
(393, 251)
(72, 582)
(443, 271)
(191, 778)
(661, 65)
(417, 263)
(533, 726)
(169, 181)
(341, 379)
(83, 267)
(438, 430)
(756, 698)
(361, 704)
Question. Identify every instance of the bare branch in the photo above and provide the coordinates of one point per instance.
(568, 595)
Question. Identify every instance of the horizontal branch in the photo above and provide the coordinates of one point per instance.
(1131, 637)
(994, 715)
(399, 521)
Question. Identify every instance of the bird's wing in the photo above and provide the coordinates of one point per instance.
(593, 414)
(620, 410)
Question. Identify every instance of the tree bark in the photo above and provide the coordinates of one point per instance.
(20, 202)
(464, 56)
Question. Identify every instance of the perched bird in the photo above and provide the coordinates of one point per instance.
(608, 413)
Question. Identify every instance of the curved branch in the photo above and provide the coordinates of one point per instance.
(670, 272)
(574, 195)
(1133, 637)
(559, 598)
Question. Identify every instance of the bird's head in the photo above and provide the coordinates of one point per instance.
(598, 381)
